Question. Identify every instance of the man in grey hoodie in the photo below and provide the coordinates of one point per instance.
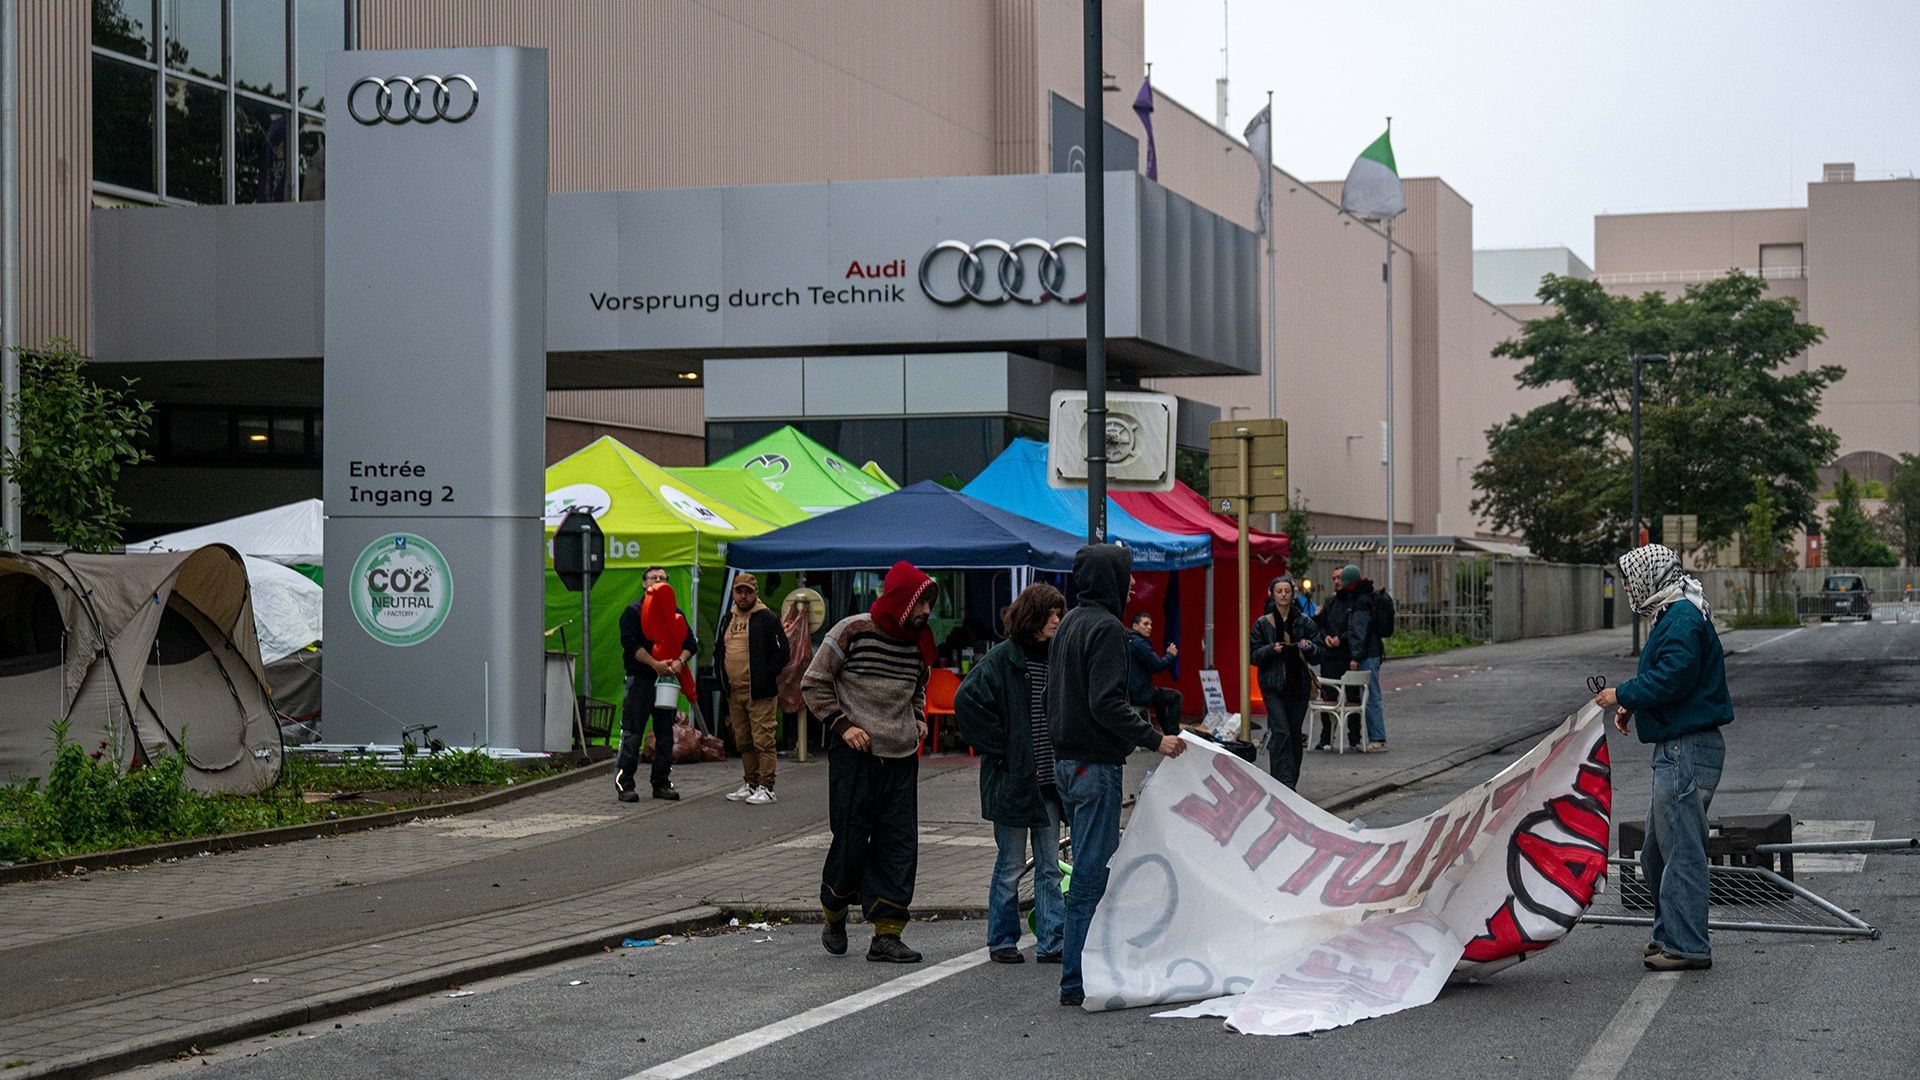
(1094, 729)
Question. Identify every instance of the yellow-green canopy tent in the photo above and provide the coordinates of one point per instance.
(746, 491)
(651, 517)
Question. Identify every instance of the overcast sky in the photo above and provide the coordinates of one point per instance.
(1543, 114)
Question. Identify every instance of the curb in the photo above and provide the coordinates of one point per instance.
(186, 849)
(1432, 767)
(124, 1055)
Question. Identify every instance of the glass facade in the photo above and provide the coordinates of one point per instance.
(216, 435)
(212, 101)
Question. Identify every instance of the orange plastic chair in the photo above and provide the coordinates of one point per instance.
(941, 686)
(1259, 699)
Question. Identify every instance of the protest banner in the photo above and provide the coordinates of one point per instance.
(1232, 891)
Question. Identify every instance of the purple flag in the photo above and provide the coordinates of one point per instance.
(1143, 107)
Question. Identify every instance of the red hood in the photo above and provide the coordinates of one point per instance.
(905, 586)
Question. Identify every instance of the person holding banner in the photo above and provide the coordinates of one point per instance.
(1094, 728)
(1284, 641)
(1002, 712)
(1679, 699)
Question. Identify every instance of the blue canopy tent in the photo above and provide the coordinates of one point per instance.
(928, 525)
(1016, 481)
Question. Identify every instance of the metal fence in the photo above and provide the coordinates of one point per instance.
(1798, 592)
(1435, 593)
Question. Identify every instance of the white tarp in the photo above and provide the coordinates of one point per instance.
(286, 608)
(285, 534)
(1232, 891)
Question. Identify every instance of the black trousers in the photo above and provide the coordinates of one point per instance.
(873, 807)
(1286, 741)
(635, 709)
(1165, 703)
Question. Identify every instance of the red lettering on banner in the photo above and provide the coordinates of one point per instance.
(1327, 846)
(1575, 868)
(1342, 890)
(1580, 820)
(1326, 966)
(1285, 823)
(1399, 887)
(1231, 804)
(1458, 840)
(1505, 793)
(1502, 939)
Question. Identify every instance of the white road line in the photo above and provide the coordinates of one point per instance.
(1771, 640)
(722, 1052)
(1610, 1051)
(1787, 794)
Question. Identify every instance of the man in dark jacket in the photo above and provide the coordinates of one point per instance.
(1350, 626)
(1142, 665)
(749, 652)
(1094, 729)
(1284, 641)
(643, 672)
(1679, 697)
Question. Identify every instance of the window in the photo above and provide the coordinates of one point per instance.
(212, 101)
(1782, 260)
(211, 435)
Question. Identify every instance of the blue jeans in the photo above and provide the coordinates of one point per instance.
(1376, 708)
(1686, 770)
(1090, 795)
(1003, 898)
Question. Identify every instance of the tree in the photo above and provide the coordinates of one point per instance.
(1851, 539)
(1902, 514)
(75, 435)
(1299, 533)
(1760, 540)
(1726, 409)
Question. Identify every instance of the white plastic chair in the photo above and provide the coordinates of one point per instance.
(1338, 709)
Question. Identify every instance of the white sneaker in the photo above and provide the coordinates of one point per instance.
(761, 797)
(741, 793)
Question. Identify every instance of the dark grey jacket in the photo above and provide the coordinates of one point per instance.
(1087, 666)
(1283, 668)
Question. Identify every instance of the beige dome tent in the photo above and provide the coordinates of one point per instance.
(152, 654)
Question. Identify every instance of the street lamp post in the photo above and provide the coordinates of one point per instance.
(1634, 540)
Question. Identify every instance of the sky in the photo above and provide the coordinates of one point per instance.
(1543, 114)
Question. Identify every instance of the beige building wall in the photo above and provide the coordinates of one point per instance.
(56, 171)
(1863, 241)
(1477, 394)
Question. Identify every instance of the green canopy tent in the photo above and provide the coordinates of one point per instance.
(744, 489)
(651, 517)
(805, 473)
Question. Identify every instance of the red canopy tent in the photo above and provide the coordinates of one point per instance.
(1184, 510)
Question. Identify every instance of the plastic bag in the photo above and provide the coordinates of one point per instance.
(690, 744)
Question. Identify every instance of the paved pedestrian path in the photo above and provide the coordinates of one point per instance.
(121, 965)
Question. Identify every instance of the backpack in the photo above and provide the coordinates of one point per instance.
(1383, 614)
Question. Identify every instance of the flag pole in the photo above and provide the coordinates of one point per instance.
(1273, 338)
(1390, 502)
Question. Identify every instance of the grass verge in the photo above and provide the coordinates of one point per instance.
(1410, 642)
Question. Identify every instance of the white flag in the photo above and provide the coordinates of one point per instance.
(1260, 141)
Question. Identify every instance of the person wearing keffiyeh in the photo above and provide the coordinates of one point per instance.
(1679, 701)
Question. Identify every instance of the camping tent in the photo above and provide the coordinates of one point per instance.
(286, 608)
(651, 518)
(290, 535)
(807, 474)
(1017, 481)
(928, 525)
(744, 489)
(148, 654)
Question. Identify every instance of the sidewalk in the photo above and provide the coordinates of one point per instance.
(113, 968)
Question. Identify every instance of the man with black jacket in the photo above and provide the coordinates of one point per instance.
(1143, 664)
(749, 651)
(1348, 623)
(1094, 728)
(643, 672)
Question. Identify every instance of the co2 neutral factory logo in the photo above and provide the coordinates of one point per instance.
(401, 589)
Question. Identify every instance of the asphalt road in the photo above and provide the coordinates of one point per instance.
(1826, 730)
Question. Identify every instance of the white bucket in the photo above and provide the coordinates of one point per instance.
(666, 693)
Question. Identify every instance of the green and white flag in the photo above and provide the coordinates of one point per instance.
(1372, 189)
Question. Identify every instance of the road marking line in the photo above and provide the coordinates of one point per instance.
(1787, 794)
(1816, 831)
(1771, 640)
(1610, 1051)
(721, 1052)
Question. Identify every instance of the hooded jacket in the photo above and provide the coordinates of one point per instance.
(1282, 669)
(1349, 617)
(1087, 666)
(871, 670)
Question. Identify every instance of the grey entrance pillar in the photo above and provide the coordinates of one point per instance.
(435, 349)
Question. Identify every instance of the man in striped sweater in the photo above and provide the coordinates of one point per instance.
(868, 685)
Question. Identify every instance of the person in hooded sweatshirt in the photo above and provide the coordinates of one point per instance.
(1094, 729)
(1680, 700)
(868, 685)
(750, 649)
(1284, 641)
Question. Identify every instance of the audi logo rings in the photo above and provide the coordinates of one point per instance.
(1007, 278)
(398, 100)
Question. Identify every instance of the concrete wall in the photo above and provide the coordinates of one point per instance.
(1512, 275)
(1863, 241)
(1539, 599)
(1475, 393)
